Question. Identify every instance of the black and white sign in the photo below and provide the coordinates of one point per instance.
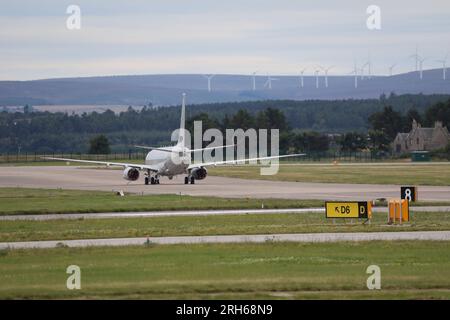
(409, 193)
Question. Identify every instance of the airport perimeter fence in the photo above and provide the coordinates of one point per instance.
(139, 156)
(344, 157)
(26, 157)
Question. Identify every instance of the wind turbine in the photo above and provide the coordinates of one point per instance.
(269, 81)
(421, 60)
(209, 77)
(254, 79)
(355, 72)
(416, 57)
(361, 75)
(444, 67)
(369, 67)
(325, 70)
(316, 73)
(392, 68)
(301, 77)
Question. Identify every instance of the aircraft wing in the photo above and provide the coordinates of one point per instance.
(165, 149)
(206, 164)
(212, 148)
(108, 163)
(170, 149)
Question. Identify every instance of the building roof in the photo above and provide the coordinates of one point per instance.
(427, 132)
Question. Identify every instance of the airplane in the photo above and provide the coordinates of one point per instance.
(171, 161)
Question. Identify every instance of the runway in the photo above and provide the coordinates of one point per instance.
(149, 214)
(304, 237)
(83, 178)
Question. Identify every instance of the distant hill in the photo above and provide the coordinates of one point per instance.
(166, 89)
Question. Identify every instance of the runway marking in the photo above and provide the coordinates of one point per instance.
(305, 237)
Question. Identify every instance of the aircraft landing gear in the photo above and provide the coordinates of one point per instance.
(189, 179)
(151, 180)
(154, 180)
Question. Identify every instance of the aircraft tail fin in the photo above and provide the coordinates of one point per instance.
(181, 134)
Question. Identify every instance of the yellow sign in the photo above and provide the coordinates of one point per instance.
(348, 210)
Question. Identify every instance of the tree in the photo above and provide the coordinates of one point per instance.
(207, 122)
(311, 141)
(271, 119)
(438, 112)
(412, 114)
(99, 145)
(242, 120)
(353, 141)
(388, 121)
(379, 141)
(286, 142)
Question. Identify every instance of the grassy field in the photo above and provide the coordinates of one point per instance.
(39, 201)
(43, 201)
(398, 174)
(22, 230)
(414, 269)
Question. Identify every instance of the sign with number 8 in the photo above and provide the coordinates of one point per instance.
(409, 193)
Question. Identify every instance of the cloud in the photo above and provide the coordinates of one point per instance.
(175, 36)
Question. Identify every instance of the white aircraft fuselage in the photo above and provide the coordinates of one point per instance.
(170, 164)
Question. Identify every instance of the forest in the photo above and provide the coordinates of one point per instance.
(314, 125)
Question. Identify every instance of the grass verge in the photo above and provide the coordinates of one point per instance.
(413, 270)
(22, 230)
(397, 174)
(41, 201)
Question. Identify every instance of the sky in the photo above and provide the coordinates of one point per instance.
(279, 37)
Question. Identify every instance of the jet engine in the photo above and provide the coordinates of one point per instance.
(131, 174)
(199, 173)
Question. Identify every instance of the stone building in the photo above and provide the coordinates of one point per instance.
(421, 139)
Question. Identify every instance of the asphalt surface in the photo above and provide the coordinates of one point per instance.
(148, 214)
(305, 237)
(108, 215)
(82, 178)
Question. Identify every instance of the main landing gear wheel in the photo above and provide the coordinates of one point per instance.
(151, 180)
(192, 180)
(186, 180)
